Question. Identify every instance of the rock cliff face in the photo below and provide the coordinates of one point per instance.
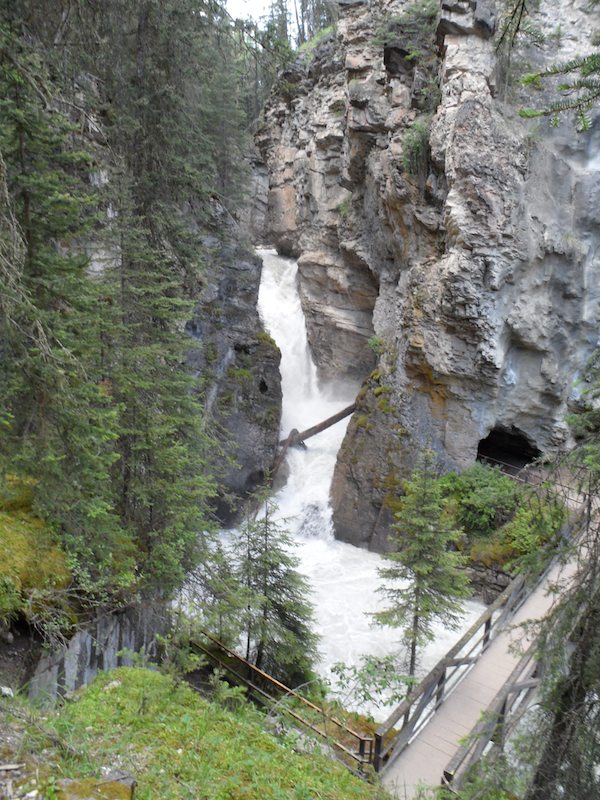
(432, 220)
(239, 364)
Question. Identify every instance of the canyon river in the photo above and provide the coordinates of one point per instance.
(344, 578)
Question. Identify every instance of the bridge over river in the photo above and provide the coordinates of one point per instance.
(465, 703)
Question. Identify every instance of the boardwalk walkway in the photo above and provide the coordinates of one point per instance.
(425, 758)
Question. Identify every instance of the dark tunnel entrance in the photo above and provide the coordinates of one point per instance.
(507, 448)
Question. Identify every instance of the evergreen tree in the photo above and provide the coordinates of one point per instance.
(59, 425)
(95, 372)
(423, 582)
(569, 646)
(162, 483)
(277, 617)
(580, 89)
(153, 101)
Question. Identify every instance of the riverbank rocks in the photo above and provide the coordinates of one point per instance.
(440, 237)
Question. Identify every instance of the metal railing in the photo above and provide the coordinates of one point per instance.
(355, 748)
(535, 476)
(425, 699)
(500, 717)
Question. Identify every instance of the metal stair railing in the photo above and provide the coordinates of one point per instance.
(354, 746)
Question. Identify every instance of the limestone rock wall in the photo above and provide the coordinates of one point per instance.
(473, 264)
(239, 365)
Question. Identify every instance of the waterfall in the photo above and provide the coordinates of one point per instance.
(343, 577)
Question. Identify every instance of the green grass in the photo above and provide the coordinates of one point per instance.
(178, 745)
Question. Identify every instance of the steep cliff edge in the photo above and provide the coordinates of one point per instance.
(238, 363)
(428, 218)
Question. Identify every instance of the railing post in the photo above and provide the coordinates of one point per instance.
(447, 777)
(377, 753)
(361, 749)
(486, 633)
(441, 685)
(497, 736)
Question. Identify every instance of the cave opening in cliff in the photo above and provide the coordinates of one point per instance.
(398, 61)
(507, 448)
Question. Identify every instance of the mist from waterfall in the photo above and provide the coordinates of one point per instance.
(343, 577)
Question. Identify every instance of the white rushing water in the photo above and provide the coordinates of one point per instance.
(343, 577)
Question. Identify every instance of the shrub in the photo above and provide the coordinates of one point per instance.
(415, 157)
(484, 498)
(504, 521)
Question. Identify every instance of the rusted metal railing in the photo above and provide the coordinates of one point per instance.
(352, 745)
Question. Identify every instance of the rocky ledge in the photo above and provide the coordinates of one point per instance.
(434, 224)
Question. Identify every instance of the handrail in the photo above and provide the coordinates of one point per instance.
(531, 475)
(444, 677)
(364, 754)
(417, 708)
(492, 727)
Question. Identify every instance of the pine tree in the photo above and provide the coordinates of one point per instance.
(277, 617)
(580, 89)
(59, 424)
(98, 403)
(162, 481)
(423, 583)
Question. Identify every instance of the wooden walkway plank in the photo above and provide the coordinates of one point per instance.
(425, 758)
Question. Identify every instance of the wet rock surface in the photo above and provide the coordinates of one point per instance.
(431, 220)
(239, 363)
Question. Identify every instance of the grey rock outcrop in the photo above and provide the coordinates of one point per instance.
(239, 365)
(109, 641)
(425, 211)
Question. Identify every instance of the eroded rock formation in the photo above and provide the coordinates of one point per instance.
(430, 219)
(239, 365)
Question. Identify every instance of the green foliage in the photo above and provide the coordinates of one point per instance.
(34, 571)
(481, 498)
(558, 754)
(30, 560)
(60, 427)
(415, 156)
(275, 615)
(416, 22)
(568, 727)
(266, 340)
(308, 48)
(376, 344)
(183, 746)
(423, 582)
(581, 88)
(97, 403)
(377, 680)
(314, 20)
(506, 523)
(343, 207)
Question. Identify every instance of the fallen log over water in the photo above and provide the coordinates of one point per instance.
(295, 438)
